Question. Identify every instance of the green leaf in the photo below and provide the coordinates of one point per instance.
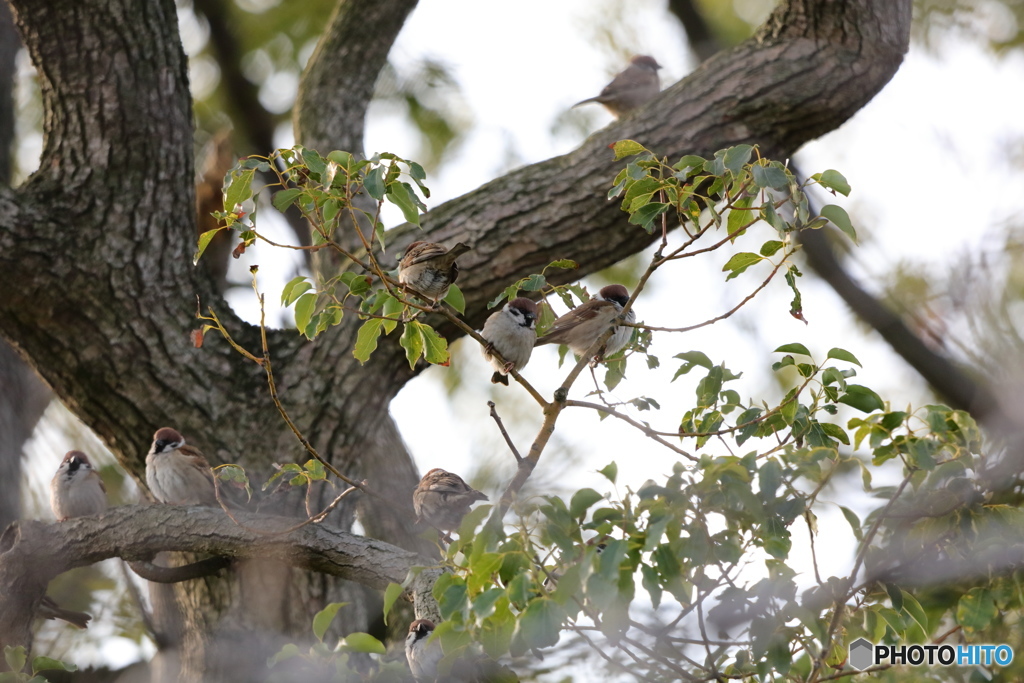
(238, 188)
(770, 247)
(287, 652)
(853, 521)
(739, 263)
(314, 162)
(15, 657)
(793, 348)
(862, 398)
(912, 607)
(304, 308)
(366, 339)
(374, 183)
(834, 180)
(976, 609)
(645, 215)
(565, 264)
(534, 283)
(627, 148)
(412, 342)
(843, 354)
(323, 619)
(50, 664)
(204, 242)
(391, 594)
(541, 623)
(769, 176)
(292, 290)
(736, 157)
(402, 196)
(582, 500)
(284, 198)
(362, 642)
(610, 471)
(456, 299)
(841, 219)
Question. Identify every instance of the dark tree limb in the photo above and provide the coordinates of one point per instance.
(196, 570)
(32, 553)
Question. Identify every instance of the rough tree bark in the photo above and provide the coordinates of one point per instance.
(100, 293)
(24, 397)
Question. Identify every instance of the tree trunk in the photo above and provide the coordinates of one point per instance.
(100, 292)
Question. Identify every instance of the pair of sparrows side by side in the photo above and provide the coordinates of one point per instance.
(442, 499)
(634, 86)
(429, 268)
(582, 326)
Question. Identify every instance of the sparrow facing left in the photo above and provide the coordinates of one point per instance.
(511, 332)
(442, 499)
(581, 327)
(77, 490)
(423, 656)
(177, 473)
(631, 88)
(429, 268)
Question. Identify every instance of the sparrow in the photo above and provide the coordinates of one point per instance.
(177, 473)
(49, 609)
(580, 327)
(511, 332)
(442, 499)
(429, 269)
(77, 490)
(634, 86)
(423, 656)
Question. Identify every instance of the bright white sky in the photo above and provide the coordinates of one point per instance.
(922, 139)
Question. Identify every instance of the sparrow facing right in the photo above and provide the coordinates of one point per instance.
(511, 332)
(634, 86)
(423, 656)
(442, 499)
(430, 269)
(76, 490)
(580, 328)
(177, 473)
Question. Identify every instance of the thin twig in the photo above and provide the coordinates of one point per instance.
(646, 429)
(501, 427)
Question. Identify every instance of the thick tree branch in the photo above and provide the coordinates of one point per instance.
(32, 553)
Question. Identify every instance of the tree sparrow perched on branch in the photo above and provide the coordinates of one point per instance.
(442, 499)
(511, 332)
(77, 490)
(177, 473)
(581, 327)
(634, 86)
(429, 268)
(423, 656)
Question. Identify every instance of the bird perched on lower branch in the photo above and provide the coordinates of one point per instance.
(77, 490)
(177, 473)
(442, 499)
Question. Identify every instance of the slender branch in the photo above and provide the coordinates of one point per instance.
(501, 427)
(646, 429)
